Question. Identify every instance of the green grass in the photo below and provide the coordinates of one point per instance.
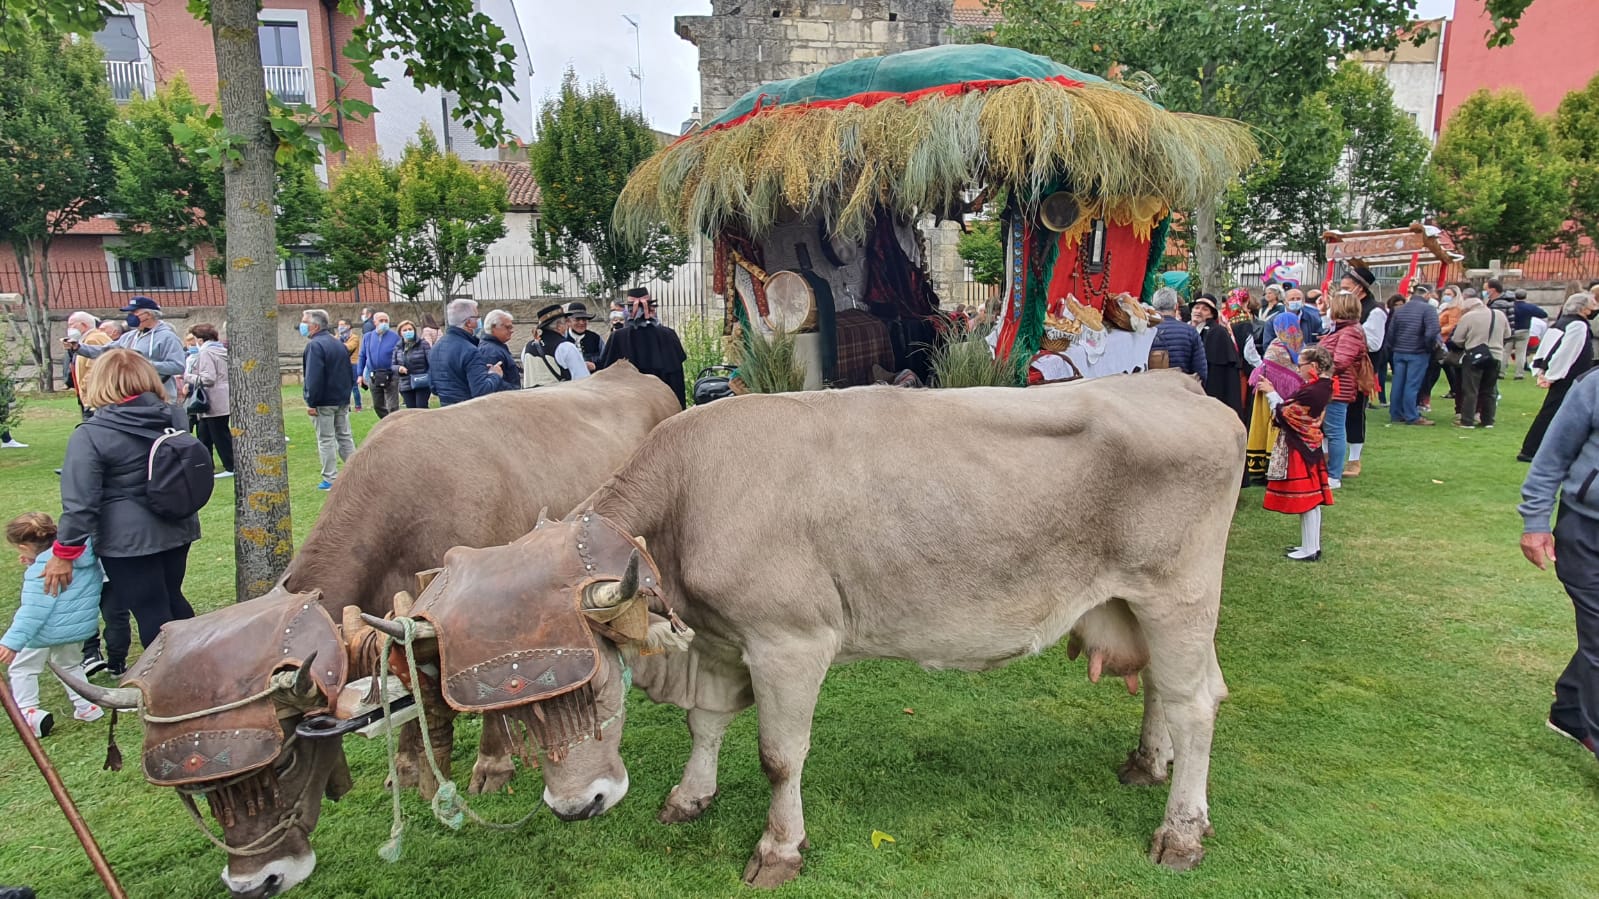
(1384, 738)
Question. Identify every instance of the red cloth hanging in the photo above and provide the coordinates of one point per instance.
(1410, 276)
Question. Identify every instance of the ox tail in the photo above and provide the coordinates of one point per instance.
(1113, 640)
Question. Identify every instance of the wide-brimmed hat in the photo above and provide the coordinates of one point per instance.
(551, 314)
(1206, 299)
(141, 302)
(578, 310)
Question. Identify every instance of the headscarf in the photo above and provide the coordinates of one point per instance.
(1285, 325)
(1237, 307)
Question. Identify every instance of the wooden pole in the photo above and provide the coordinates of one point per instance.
(96, 857)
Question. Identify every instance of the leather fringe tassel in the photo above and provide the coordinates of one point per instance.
(560, 723)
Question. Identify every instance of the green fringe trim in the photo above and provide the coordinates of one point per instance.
(1157, 252)
(1035, 293)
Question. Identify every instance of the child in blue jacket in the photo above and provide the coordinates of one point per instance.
(49, 628)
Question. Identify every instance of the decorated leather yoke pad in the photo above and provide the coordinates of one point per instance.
(511, 630)
(220, 658)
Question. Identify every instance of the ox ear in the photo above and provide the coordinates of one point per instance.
(664, 636)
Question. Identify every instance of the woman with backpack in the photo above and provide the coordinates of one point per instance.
(116, 489)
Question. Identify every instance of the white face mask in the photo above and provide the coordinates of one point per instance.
(73, 334)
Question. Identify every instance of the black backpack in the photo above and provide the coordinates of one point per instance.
(178, 474)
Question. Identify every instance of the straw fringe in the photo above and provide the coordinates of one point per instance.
(917, 158)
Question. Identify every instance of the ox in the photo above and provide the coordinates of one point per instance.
(477, 474)
(802, 531)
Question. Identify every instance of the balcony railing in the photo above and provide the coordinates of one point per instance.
(290, 84)
(127, 79)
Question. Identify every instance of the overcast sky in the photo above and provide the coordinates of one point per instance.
(591, 37)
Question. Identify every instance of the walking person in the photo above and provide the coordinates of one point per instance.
(49, 624)
(1351, 377)
(1481, 334)
(210, 373)
(1413, 338)
(376, 365)
(1297, 481)
(328, 379)
(410, 362)
(1565, 352)
(1564, 466)
(105, 497)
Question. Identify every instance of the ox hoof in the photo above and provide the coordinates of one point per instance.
(1179, 850)
(678, 810)
(491, 775)
(1139, 771)
(769, 869)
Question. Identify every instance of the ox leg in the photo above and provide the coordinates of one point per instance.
(1184, 672)
(1149, 764)
(786, 684)
(693, 794)
(494, 767)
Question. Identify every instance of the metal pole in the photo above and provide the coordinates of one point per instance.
(638, 71)
(96, 857)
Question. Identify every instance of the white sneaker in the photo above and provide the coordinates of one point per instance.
(12, 444)
(92, 713)
(1335, 483)
(222, 474)
(40, 720)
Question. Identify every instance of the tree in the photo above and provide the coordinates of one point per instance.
(54, 165)
(428, 221)
(1577, 140)
(1249, 62)
(983, 251)
(1501, 188)
(1506, 15)
(1383, 173)
(587, 148)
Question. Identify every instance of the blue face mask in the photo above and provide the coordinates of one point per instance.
(382, 326)
(305, 329)
(1295, 306)
(408, 335)
(193, 350)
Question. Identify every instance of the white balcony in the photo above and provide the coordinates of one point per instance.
(290, 84)
(127, 79)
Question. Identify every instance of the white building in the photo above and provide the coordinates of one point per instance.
(1415, 74)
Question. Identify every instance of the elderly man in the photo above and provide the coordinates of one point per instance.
(1564, 354)
(458, 372)
(82, 328)
(1566, 463)
(153, 339)
(1295, 301)
(327, 392)
(375, 367)
(494, 350)
(1181, 342)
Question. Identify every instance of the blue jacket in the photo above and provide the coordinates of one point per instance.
(1523, 314)
(70, 617)
(491, 351)
(377, 351)
(457, 371)
(1415, 328)
(1183, 347)
(328, 378)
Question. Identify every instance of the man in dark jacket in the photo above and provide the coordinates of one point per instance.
(1414, 335)
(1181, 342)
(652, 347)
(458, 372)
(1521, 316)
(589, 342)
(328, 382)
(1295, 301)
(494, 350)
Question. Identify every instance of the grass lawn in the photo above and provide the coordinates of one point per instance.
(1384, 737)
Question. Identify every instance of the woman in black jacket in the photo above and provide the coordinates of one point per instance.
(103, 495)
(411, 363)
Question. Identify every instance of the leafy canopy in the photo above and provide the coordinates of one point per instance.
(1577, 140)
(587, 148)
(428, 220)
(1502, 189)
(984, 251)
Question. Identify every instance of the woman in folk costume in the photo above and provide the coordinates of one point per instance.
(1275, 377)
(1223, 377)
(1296, 480)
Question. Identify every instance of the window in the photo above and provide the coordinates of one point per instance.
(297, 269)
(155, 273)
(287, 76)
(119, 40)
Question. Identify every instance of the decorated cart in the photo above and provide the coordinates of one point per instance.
(811, 191)
(1412, 255)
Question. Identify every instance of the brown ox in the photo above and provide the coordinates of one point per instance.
(474, 474)
(820, 533)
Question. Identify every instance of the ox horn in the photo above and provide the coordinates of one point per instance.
(543, 518)
(422, 630)
(302, 680)
(611, 595)
(124, 698)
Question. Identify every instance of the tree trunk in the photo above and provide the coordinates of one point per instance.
(1207, 249)
(264, 539)
(34, 273)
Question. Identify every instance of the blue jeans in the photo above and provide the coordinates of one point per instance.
(1335, 427)
(1409, 369)
(355, 388)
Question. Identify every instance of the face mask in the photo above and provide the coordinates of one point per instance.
(408, 335)
(193, 350)
(382, 326)
(305, 329)
(1295, 305)
(364, 316)
(74, 334)
(344, 332)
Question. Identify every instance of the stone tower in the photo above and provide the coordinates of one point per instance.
(744, 43)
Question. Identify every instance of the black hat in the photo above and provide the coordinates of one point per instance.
(1363, 275)
(578, 310)
(551, 314)
(141, 302)
(1206, 299)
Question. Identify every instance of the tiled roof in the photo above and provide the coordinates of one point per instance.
(521, 189)
(97, 226)
(977, 17)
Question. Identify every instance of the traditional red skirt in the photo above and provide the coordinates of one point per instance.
(1304, 489)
